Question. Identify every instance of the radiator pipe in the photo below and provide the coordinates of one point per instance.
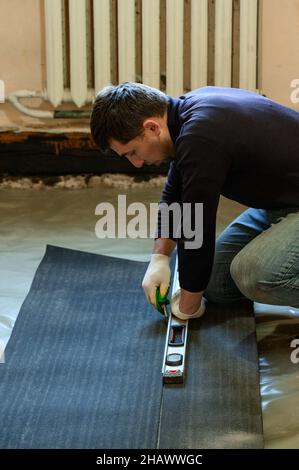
(14, 98)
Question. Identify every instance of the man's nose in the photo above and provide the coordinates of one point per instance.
(136, 161)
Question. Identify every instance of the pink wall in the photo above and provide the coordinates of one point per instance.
(22, 58)
(279, 49)
(21, 49)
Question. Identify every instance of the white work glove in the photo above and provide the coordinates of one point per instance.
(174, 306)
(157, 275)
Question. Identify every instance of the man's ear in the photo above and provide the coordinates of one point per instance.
(152, 125)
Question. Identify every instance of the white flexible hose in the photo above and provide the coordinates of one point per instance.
(13, 98)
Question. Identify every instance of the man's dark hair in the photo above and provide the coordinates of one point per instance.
(118, 112)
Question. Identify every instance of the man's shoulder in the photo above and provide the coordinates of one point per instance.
(214, 92)
(219, 113)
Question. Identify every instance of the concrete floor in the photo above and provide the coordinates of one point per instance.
(30, 219)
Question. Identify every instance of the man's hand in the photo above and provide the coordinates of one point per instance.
(157, 275)
(187, 305)
(190, 301)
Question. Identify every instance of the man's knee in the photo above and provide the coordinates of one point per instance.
(253, 276)
(244, 270)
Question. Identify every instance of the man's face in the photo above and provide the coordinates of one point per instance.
(152, 148)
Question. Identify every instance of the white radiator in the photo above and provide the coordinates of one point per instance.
(174, 45)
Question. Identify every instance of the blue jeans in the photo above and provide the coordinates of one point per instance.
(257, 257)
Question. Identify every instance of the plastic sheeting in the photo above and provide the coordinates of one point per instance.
(31, 219)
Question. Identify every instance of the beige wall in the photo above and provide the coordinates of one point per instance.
(22, 49)
(279, 49)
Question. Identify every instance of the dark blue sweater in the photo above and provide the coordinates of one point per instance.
(232, 142)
